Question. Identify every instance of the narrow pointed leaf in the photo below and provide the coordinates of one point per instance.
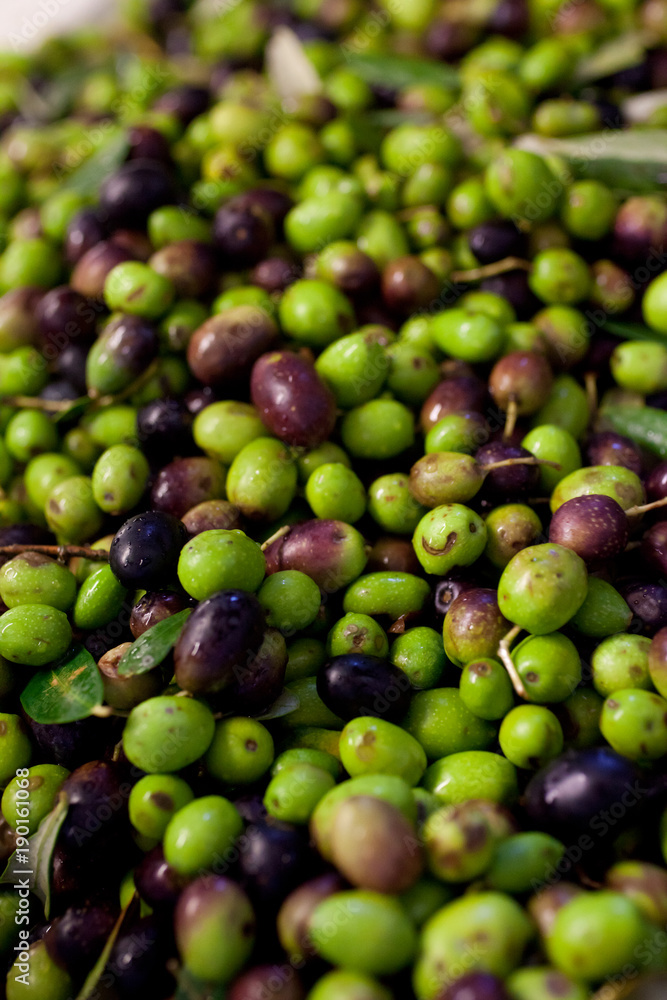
(87, 178)
(400, 71)
(634, 331)
(619, 53)
(632, 160)
(285, 703)
(89, 990)
(65, 692)
(34, 862)
(151, 648)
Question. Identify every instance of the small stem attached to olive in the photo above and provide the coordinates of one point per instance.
(645, 507)
(37, 403)
(508, 662)
(491, 270)
(591, 383)
(275, 536)
(522, 460)
(102, 711)
(510, 419)
(57, 551)
(119, 397)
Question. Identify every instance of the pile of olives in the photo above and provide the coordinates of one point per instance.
(333, 503)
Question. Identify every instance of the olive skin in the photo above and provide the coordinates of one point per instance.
(595, 527)
(136, 189)
(145, 550)
(293, 401)
(357, 684)
(331, 552)
(87, 789)
(223, 349)
(219, 637)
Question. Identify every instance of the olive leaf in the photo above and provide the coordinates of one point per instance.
(89, 988)
(153, 646)
(285, 703)
(619, 53)
(33, 863)
(643, 424)
(633, 331)
(88, 177)
(73, 412)
(398, 72)
(633, 160)
(65, 692)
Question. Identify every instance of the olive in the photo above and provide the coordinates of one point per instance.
(186, 482)
(225, 347)
(145, 550)
(133, 191)
(355, 684)
(293, 401)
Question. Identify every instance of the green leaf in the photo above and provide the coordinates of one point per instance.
(65, 692)
(39, 854)
(87, 178)
(153, 646)
(619, 53)
(633, 160)
(401, 71)
(633, 331)
(285, 703)
(76, 410)
(89, 989)
(644, 424)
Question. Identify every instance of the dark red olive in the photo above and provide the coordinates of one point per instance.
(186, 482)
(93, 266)
(593, 526)
(224, 348)
(461, 392)
(292, 399)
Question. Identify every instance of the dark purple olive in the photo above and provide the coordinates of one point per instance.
(656, 484)
(293, 921)
(133, 191)
(510, 482)
(92, 268)
(197, 399)
(408, 284)
(97, 805)
(19, 321)
(261, 678)
(513, 286)
(212, 514)
(461, 392)
(186, 482)
(475, 986)
(326, 550)
(448, 40)
(592, 791)
(154, 607)
(225, 347)
(64, 315)
(157, 882)
(648, 603)
(593, 526)
(134, 241)
(267, 200)
(474, 626)
(640, 226)
(356, 684)
(495, 240)
(191, 267)
(280, 982)
(71, 365)
(609, 448)
(654, 548)
(60, 390)
(71, 744)
(275, 274)
(145, 550)
(184, 102)
(75, 939)
(251, 807)
(219, 641)
(276, 858)
(138, 966)
(164, 428)
(25, 534)
(293, 401)
(243, 235)
(447, 590)
(353, 271)
(147, 143)
(393, 554)
(84, 232)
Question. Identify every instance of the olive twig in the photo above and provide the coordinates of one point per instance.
(643, 508)
(491, 270)
(591, 383)
(275, 536)
(508, 662)
(510, 418)
(37, 403)
(521, 460)
(59, 552)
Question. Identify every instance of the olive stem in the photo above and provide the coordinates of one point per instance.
(591, 383)
(510, 419)
(645, 507)
(102, 711)
(59, 552)
(527, 460)
(491, 270)
(37, 403)
(119, 397)
(508, 662)
(275, 536)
